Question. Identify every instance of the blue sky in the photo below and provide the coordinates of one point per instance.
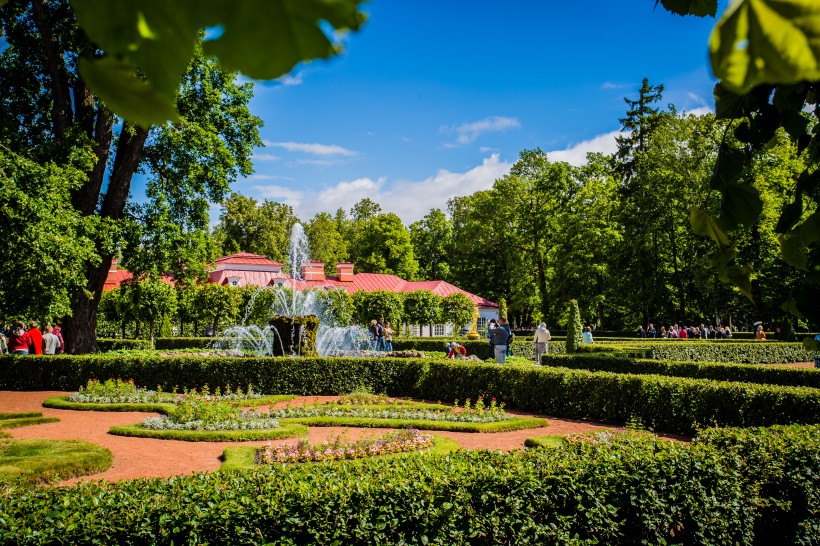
(436, 99)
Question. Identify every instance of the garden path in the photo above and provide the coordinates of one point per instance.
(144, 457)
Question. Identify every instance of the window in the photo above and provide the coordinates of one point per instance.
(438, 330)
(233, 281)
(481, 324)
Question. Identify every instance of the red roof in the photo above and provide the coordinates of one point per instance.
(116, 277)
(255, 278)
(246, 258)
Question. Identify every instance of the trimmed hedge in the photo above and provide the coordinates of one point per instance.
(106, 345)
(519, 423)
(286, 430)
(178, 343)
(672, 404)
(749, 373)
(755, 352)
(747, 487)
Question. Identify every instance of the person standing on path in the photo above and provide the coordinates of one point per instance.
(36, 339)
(540, 340)
(500, 336)
(19, 340)
(51, 343)
(388, 338)
(587, 335)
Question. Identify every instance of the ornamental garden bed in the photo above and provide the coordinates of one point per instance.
(122, 395)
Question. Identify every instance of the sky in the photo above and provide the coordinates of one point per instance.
(435, 99)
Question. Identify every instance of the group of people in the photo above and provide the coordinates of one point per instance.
(381, 336)
(18, 340)
(680, 331)
(500, 337)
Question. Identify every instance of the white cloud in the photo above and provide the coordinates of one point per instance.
(577, 153)
(612, 85)
(699, 111)
(268, 177)
(409, 199)
(290, 79)
(312, 148)
(280, 193)
(266, 157)
(469, 132)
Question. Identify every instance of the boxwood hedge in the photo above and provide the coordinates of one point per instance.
(750, 373)
(675, 404)
(734, 487)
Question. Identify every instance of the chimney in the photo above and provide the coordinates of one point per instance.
(313, 271)
(344, 271)
(113, 265)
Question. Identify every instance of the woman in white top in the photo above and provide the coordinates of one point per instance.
(588, 335)
(542, 336)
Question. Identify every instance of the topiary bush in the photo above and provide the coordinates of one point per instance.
(574, 333)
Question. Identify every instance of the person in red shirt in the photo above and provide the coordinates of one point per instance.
(36, 339)
(19, 340)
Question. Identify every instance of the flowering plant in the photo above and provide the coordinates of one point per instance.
(337, 449)
(117, 391)
(461, 416)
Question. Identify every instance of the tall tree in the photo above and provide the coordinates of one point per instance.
(432, 242)
(384, 247)
(327, 244)
(641, 120)
(247, 226)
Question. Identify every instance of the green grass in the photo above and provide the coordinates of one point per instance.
(26, 421)
(402, 405)
(516, 423)
(242, 457)
(554, 440)
(46, 461)
(4, 416)
(62, 402)
(287, 430)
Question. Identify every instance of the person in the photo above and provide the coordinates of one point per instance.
(490, 326)
(650, 331)
(663, 331)
(59, 333)
(36, 338)
(454, 350)
(4, 341)
(727, 333)
(388, 338)
(682, 333)
(380, 334)
(19, 339)
(587, 335)
(499, 339)
(759, 333)
(641, 332)
(374, 335)
(541, 341)
(50, 342)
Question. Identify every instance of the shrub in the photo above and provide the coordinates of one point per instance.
(772, 375)
(107, 345)
(574, 335)
(731, 487)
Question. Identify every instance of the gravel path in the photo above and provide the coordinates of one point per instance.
(145, 457)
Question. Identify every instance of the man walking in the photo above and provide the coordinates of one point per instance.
(51, 343)
(540, 339)
(500, 336)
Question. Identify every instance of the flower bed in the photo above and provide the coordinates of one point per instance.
(337, 449)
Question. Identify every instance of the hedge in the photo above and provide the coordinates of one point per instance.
(179, 343)
(734, 487)
(750, 373)
(755, 352)
(106, 345)
(672, 404)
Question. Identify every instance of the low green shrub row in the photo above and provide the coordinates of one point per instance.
(121, 344)
(178, 343)
(673, 404)
(754, 352)
(732, 487)
(749, 373)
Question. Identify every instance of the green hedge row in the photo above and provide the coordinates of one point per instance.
(672, 404)
(178, 343)
(732, 487)
(755, 352)
(121, 344)
(749, 373)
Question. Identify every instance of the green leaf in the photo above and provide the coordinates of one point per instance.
(811, 345)
(766, 41)
(791, 308)
(728, 168)
(698, 8)
(123, 92)
(741, 205)
(809, 230)
(790, 216)
(265, 39)
(740, 276)
(704, 223)
(793, 251)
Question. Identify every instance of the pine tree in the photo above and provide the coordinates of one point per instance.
(574, 335)
(640, 121)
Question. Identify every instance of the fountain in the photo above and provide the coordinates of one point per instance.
(298, 322)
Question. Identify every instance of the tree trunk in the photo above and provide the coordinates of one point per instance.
(542, 283)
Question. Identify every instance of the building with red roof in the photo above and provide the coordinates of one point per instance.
(246, 269)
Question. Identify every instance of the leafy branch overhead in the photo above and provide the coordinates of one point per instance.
(147, 46)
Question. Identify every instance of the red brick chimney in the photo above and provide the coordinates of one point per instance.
(344, 271)
(313, 271)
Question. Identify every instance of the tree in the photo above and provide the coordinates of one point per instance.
(152, 302)
(246, 226)
(378, 304)
(432, 238)
(640, 122)
(46, 242)
(218, 304)
(326, 242)
(457, 309)
(48, 110)
(337, 307)
(574, 334)
(422, 307)
(384, 247)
